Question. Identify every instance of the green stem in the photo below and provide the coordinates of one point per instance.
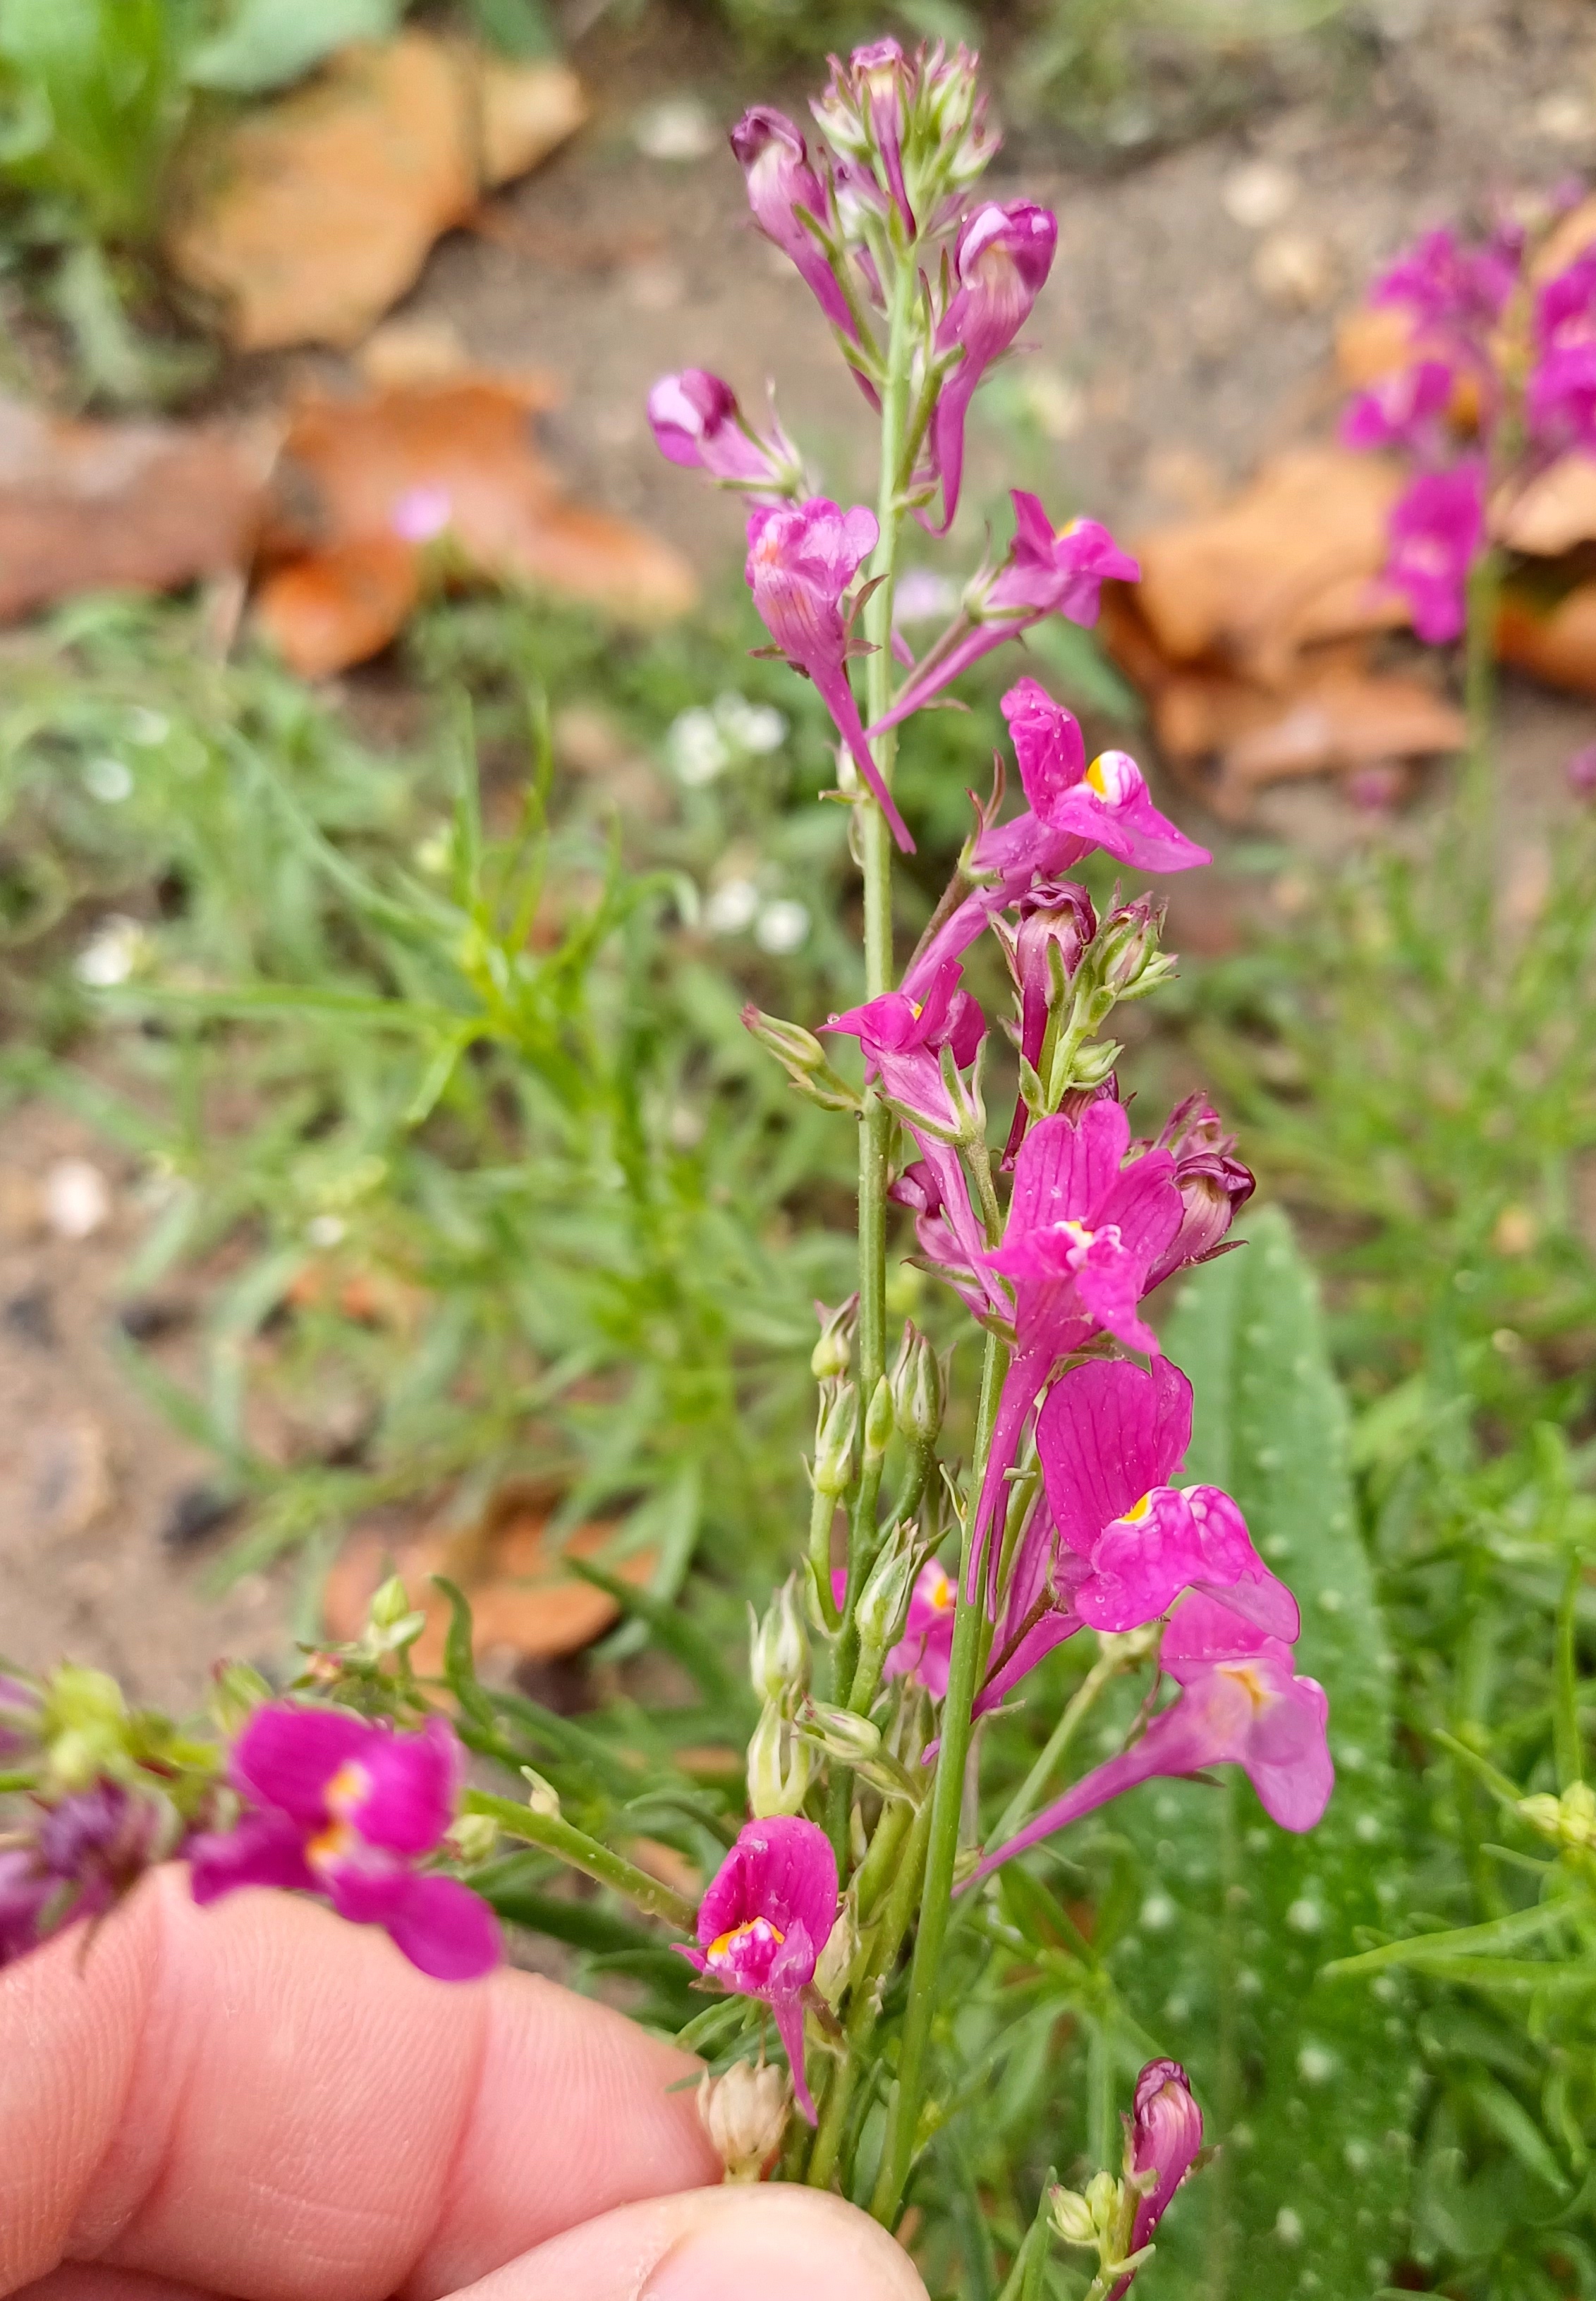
(1479, 703)
(1022, 2279)
(947, 1803)
(864, 2011)
(579, 1851)
(1566, 1735)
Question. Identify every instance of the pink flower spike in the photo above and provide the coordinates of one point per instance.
(801, 559)
(697, 423)
(341, 1806)
(925, 1649)
(1240, 1704)
(1111, 1438)
(1000, 264)
(1436, 528)
(783, 189)
(766, 1916)
(1213, 1184)
(1163, 2136)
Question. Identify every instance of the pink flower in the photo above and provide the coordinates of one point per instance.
(1039, 1609)
(925, 1649)
(1047, 572)
(1083, 1234)
(1400, 409)
(1165, 2137)
(1057, 923)
(1436, 528)
(1241, 1704)
(1110, 1438)
(801, 559)
(1560, 396)
(421, 514)
(80, 1854)
(1000, 264)
(765, 1919)
(1105, 805)
(344, 1807)
(1213, 1184)
(1460, 292)
(865, 113)
(784, 190)
(949, 1238)
(697, 424)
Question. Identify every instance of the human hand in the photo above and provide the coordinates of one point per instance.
(256, 2101)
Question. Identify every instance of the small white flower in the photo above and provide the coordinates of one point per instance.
(755, 728)
(108, 778)
(732, 907)
(782, 927)
(696, 749)
(112, 954)
(325, 1230)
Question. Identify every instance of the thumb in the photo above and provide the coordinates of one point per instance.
(778, 2243)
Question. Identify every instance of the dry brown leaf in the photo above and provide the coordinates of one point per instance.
(465, 450)
(1290, 561)
(91, 506)
(1555, 511)
(1558, 646)
(1569, 239)
(521, 1597)
(412, 350)
(309, 217)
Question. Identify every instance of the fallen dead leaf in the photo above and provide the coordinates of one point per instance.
(412, 350)
(1557, 644)
(1567, 239)
(309, 217)
(100, 506)
(659, 1861)
(343, 551)
(520, 1595)
(1289, 561)
(1555, 511)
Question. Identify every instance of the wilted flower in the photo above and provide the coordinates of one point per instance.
(801, 560)
(1110, 1438)
(1436, 528)
(1213, 1184)
(745, 2112)
(1000, 264)
(697, 424)
(341, 1806)
(1163, 2138)
(767, 1917)
(1241, 1704)
(79, 1853)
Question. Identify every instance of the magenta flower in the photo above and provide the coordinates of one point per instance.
(1057, 922)
(783, 191)
(925, 1649)
(1000, 264)
(1459, 293)
(81, 1855)
(1213, 1184)
(1240, 1704)
(1082, 1235)
(1047, 572)
(1436, 528)
(950, 1239)
(865, 111)
(1560, 396)
(697, 424)
(1038, 1608)
(1400, 410)
(1164, 2137)
(344, 1807)
(763, 1921)
(1110, 1438)
(801, 559)
(1105, 805)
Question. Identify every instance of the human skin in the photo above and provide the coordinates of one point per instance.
(258, 2100)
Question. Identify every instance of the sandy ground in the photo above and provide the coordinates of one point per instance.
(1175, 345)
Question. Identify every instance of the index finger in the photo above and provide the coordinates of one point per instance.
(263, 2101)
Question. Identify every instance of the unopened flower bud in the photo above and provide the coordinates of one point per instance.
(834, 1441)
(745, 2112)
(842, 1734)
(389, 1605)
(803, 1058)
(886, 1594)
(1568, 1821)
(541, 1795)
(1126, 957)
(830, 1359)
(879, 1419)
(85, 1726)
(1073, 2217)
(779, 1650)
(474, 1835)
(835, 1961)
(919, 1388)
(780, 1766)
(237, 1692)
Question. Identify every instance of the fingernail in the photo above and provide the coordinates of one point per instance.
(784, 2244)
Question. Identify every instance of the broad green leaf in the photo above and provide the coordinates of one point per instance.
(269, 43)
(1308, 2083)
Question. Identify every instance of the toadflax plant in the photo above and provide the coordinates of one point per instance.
(926, 1591)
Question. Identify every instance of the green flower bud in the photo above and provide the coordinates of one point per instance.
(834, 1440)
(830, 1359)
(780, 1767)
(84, 1726)
(919, 1388)
(1569, 1821)
(803, 1058)
(389, 1605)
(541, 1795)
(1073, 2217)
(237, 1692)
(886, 1594)
(779, 1649)
(474, 1836)
(878, 1420)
